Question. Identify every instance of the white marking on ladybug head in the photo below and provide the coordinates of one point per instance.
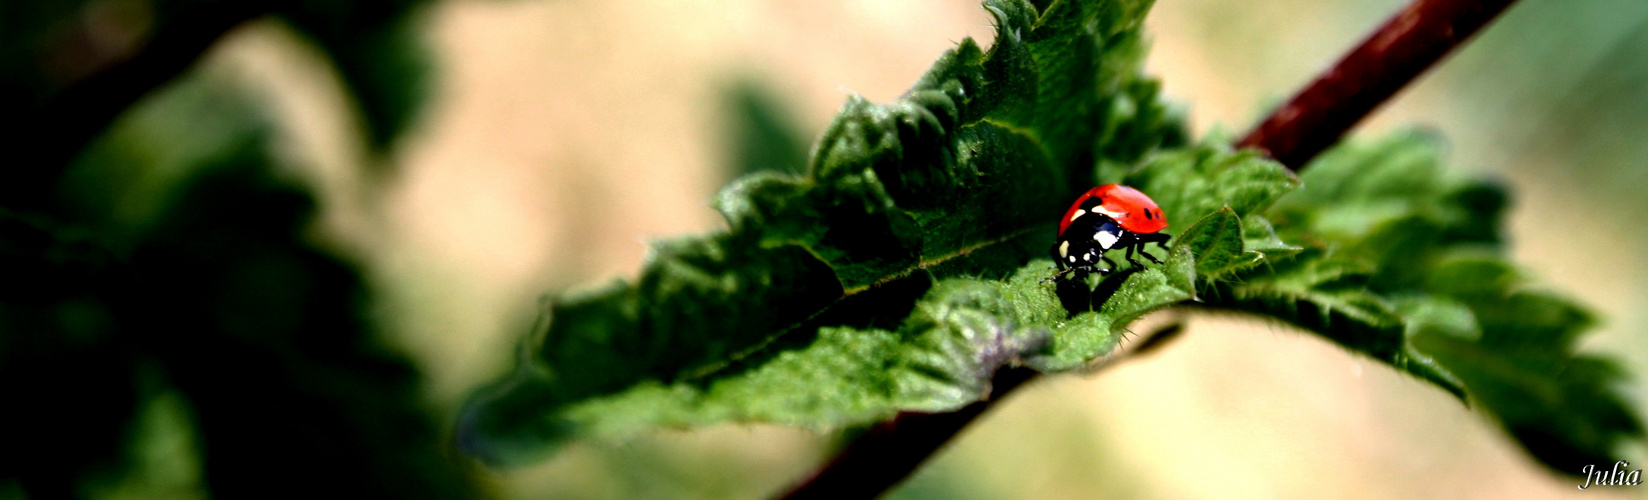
(1072, 258)
(1064, 248)
(1087, 257)
(1077, 214)
(1106, 239)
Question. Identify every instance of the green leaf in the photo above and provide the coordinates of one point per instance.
(932, 362)
(1330, 297)
(1086, 336)
(962, 177)
(1191, 182)
(1401, 263)
(940, 358)
(1235, 186)
(1217, 239)
(848, 365)
(1259, 236)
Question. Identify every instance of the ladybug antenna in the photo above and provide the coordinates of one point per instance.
(1059, 274)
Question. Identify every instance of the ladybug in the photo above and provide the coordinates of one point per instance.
(1107, 217)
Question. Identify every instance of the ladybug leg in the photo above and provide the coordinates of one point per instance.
(1134, 242)
(1152, 258)
(1158, 238)
(1146, 255)
(1106, 261)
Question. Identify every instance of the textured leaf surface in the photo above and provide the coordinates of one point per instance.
(922, 342)
(1402, 263)
(960, 178)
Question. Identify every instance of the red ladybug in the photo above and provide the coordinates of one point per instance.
(1105, 218)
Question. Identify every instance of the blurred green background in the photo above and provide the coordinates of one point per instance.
(338, 220)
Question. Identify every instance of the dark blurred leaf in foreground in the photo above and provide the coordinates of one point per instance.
(66, 373)
(212, 281)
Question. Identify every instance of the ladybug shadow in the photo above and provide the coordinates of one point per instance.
(1077, 297)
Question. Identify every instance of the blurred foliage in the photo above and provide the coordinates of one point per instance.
(1561, 78)
(27, 32)
(1555, 95)
(760, 134)
(69, 68)
(1596, 123)
(66, 374)
(168, 330)
(1404, 263)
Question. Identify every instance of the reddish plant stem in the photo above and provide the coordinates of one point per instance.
(1407, 45)
(890, 451)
